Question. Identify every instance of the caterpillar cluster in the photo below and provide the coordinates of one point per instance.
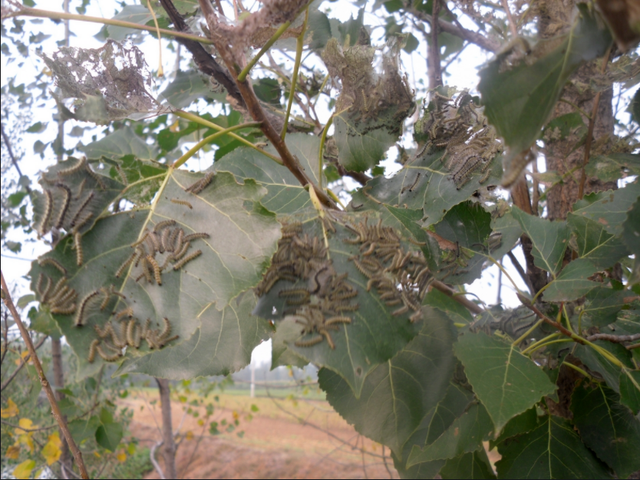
(59, 297)
(320, 303)
(124, 331)
(201, 184)
(62, 204)
(400, 277)
(167, 238)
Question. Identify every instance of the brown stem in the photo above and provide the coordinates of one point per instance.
(435, 75)
(520, 270)
(527, 303)
(614, 338)
(592, 124)
(24, 362)
(43, 379)
(464, 301)
(168, 444)
(58, 381)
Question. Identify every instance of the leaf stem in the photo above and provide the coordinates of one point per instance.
(242, 76)
(35, 12)
(55, 410)
(195, 118)
(542, 341)
(323, 139)
(527, 333)
(178, 163)
(294, 77)
(577, 369)
(155, 21)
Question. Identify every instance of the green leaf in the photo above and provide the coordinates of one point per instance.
(187, 87)
(82, 429)
(455, 403)
(631, 229)
(560, 127)
(37, 127)
(268, 90)
(612, 166)
(594, 243)
(130, 13)
(42, 321)
(285, 194)
(609, 208)
(511, 232)
(552, 450)
(505, 381)
(603, 366)
(463, 436)
(222, 345)
(122, 142)
(606, 427)
(572, 282)
(519, 99)
(108, 433)
(603, 304)
(242, 237)
(426, 184)
(523, 423)
(398, 394)
(469, 465)
(549, 239)
(630, 389)
(448, 305)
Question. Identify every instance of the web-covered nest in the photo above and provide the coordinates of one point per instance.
(108, 83)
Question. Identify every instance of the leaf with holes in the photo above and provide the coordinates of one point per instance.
(612, 166)
(505, 381)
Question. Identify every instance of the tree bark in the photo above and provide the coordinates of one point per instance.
(168, 445)
(58, 381)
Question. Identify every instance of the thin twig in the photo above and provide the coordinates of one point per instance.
(43, 379)
(384, 460)
(512, 24)
(520, 270)
(24, 362)
(39, 429)
(527, 303)
(7, 144)
(592, 124)
(465, 302)
(435, 75)
(152, 457)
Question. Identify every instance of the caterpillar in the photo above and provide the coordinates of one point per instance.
(136, 337)
(92, 350)
(166, 329)
(65, 204)
(103, 333)
(145, 270)
(309, 343)
(48, 208)
(130, 331)
(156, 269)
(335, 320)
(410, 188)
(163, 342)
(183, 250)
(57, 287)
(95, 176)
(142, 252)
(201, 184)
(39, 284)
(126, 263)
(361, 268)
(409, 301)
(344, 295)
(327, 336)
(188, 258)
(113, 348)
(77, 237)
(106, 357)
(127, 312)
(70, 295)
(119, 338)
(145, 328)
(415, 316)
(79, 320)
(107, 296)
(172, 239)
(123, 177)
(194, 236)
(179, 240)
(64, 310)
(84, 204)
(142, 239)
(461, 175)
(164, 240)
(51, 261)
(177, 201)
(81, 188)
(400, 311)
(45, 293)
(165, 223)
(152, 240)
(82, 221)
(60, 298)
(150, 337)
(73, 169)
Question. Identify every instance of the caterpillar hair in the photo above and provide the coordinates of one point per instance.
(79, 320)
(164, 240)
(126, 263)
(188, 258)
(196, 235)
(51, 261)
(84, 204)
(142, 239)
(65, 204)
(64, 310)
(48, 208)
(77, 237)
(165, 223)
(177, 201)
(123, 177)
(156, 269)
(59, 298)
(82, 221)
(75, 168)
(92, 350)
(105, 356)
(178, 255)
(103, 333)
(309, 343)
(95, 176)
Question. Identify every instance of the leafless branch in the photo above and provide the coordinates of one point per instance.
(152, 457)
(7, 144)
(435, 75)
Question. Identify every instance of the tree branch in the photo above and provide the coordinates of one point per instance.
(7, 144)
(24, 362)
(435, 74)
(464, 301)
(6, 296)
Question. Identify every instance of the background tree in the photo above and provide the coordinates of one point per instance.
(178, 274)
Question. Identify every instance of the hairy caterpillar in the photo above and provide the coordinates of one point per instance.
(82, 221)
(201, 184)
(183, 250)
(142, 239)
(126, 263)
(188, 258)
(119, 338)
(164, 240)
(165, 223)
(75, 168)
(172, 239)
(156, 269)
(64, 310)
(127, 312)
(107, 296)
(51, 261)
(95, 176)
(92, 350)
(178, 245)
(327, 336)
(182, 202)
(309, 343)
(461, 175)
(166, 329)
(145, 270)
(154, 243)
(65, 204)
(400, 311)
(130, 331)
(142, 252)
(77, 237)
(105, 356)
(410, 188)
(336, 320)
(81, 188)
(66, 295)
(84, 204)
(302, 293)
(123, 177)
(194, 236)
(48, 208)
(44, 295)
(103, 333)
(58, 286)
(150, 337)
(79, 320)
(361, 268)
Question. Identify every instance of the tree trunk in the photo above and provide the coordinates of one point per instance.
(58, 381)
(168, 445)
